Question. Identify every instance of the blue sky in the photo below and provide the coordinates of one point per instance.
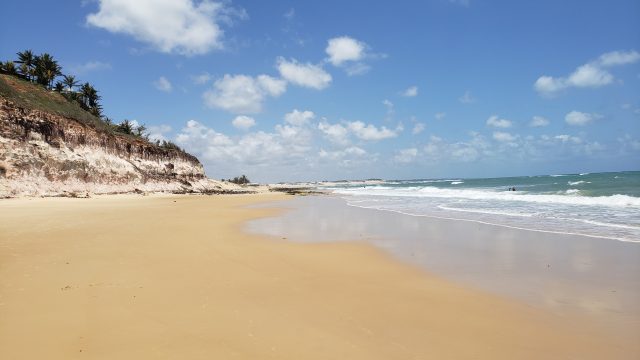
(288, 90)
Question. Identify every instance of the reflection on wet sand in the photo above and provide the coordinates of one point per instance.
(563, 273)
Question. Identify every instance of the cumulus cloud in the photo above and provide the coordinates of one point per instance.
(538, 121)
(349, 156)
(306, 75)
(299, 118)
(473, 149)
(495, 121)
(243, 93)
(370, 132)
(410, 91)
(440, 115)
(615, 58)
(503, 136)
(567, 138)
(163, 84)
(339, 133)
(185, 27)
(344, 49)
(258, 149)
(158, 132)
(578, 118)
(243, 122)
(336, 133)
(591, 75)
(406, 155)
(418, 128)
(348, 53)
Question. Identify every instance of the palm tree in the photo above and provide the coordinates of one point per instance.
(70, 82)
(140, 129)
(46, 69)
(27, 62)
(89, 97)
(8, 67)
(125, 127)
(59, 87)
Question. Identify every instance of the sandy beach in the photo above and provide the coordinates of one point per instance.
(132, 277)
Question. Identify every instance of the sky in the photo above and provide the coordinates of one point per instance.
(327, 90)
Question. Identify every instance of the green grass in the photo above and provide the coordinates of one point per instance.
(35, 97)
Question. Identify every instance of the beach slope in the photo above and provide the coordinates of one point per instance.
(130, 277)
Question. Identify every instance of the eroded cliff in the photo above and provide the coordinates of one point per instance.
(43, 153)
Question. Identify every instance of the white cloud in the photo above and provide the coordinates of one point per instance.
(538, 121)
(499, 123)
(339, 134)
(299, 118)
(89, 67)
(467, 98)
(568, 138)
(203, 78)
(503, 136)
(185, 27)
(406, 155)
(370, 132)
(615, 58)
(158, 132)
(440, 115)
(411, 91)
(252, 150)
(462, 151)
(272, 86)
(345, 157)
(591, 75)
(243, 122)
(306, 75)
(243, 93)
(343, 49)
(418, 128)
(336, 133)
(578, 118)
(163, 84)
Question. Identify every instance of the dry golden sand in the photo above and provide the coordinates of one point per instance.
(176, 278)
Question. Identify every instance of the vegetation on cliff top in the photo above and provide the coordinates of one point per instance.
(32, 85)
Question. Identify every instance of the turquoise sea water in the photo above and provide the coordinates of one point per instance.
(603, 205)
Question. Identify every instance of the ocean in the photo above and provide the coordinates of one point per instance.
(604, 205)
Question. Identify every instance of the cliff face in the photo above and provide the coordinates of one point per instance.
(47, 154)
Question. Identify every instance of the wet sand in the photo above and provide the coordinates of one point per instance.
(176, 277)
(590, 278)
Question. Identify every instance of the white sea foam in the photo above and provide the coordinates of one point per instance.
(572, 192)
(574, 183)
(486, 211)
(493, 223)
(457, 182)
(508, 196)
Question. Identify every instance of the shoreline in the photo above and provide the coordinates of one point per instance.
(587, 277)
(175, 276)
(500, 225)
